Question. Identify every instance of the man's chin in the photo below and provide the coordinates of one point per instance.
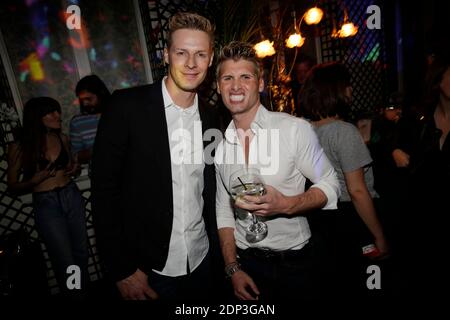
(191, 87)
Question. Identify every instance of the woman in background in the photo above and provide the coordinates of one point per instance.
(41, 156)
(325, 99)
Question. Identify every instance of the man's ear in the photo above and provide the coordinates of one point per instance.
(261, 84)
(211, 60)
(166, 55)
(217, 87)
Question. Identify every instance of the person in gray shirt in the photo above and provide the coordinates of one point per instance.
(325, 99)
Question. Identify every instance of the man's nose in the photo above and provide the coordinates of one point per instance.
(237, 84)
(191, 62)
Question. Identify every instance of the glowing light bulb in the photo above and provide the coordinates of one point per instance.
(264, 49)
(347, 30)
(295, 40)
(313, 15)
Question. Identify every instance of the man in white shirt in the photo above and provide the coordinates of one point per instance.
(153, 194)
(286, 151)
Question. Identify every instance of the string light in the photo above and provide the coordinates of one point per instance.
(313, 15)
(348, 30)
(279, 76)
(295, 40)
(264, 49)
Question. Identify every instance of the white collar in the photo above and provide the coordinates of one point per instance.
(168, 102)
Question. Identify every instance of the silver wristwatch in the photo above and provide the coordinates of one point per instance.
(231, 268)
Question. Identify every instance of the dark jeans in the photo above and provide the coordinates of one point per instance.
(193, 287)
(281, 277)
(61, 222)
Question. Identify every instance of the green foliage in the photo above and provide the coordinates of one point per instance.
(241, 20)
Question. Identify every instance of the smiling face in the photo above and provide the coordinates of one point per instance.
(239, 86)
(52, 120)
(189, 56)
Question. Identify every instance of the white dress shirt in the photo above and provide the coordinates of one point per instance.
(188, 241)
(286, 151)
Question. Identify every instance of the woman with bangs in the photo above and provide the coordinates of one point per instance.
(40, 162)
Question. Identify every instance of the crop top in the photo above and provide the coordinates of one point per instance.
(60, 162)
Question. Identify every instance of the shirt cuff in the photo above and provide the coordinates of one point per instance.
(331, 193)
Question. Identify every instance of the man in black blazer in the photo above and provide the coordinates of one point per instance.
(152, 192)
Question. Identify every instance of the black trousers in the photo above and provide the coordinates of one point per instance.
(280, 277)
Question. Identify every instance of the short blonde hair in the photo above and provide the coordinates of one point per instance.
(189, 20)
(237, 50)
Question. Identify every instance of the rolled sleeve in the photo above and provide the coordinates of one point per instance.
(331, 192)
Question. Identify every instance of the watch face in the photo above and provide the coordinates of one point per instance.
(231, 268)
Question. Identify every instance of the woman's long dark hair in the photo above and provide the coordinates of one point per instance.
(31, 138)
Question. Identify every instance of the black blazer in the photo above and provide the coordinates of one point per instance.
(131, 183)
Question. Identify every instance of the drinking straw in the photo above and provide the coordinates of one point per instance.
(245, 187)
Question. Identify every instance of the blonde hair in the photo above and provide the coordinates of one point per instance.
(237, 50)
(189, 20)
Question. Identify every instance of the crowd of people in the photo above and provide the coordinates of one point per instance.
(167, 220)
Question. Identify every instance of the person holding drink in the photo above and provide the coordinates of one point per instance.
(245, 182)
(263, 163)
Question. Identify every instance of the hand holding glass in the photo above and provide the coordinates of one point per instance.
(249, 182)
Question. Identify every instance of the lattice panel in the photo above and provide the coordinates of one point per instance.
(364, 54)
(6, 101)
(17, 213)
(10, 207)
